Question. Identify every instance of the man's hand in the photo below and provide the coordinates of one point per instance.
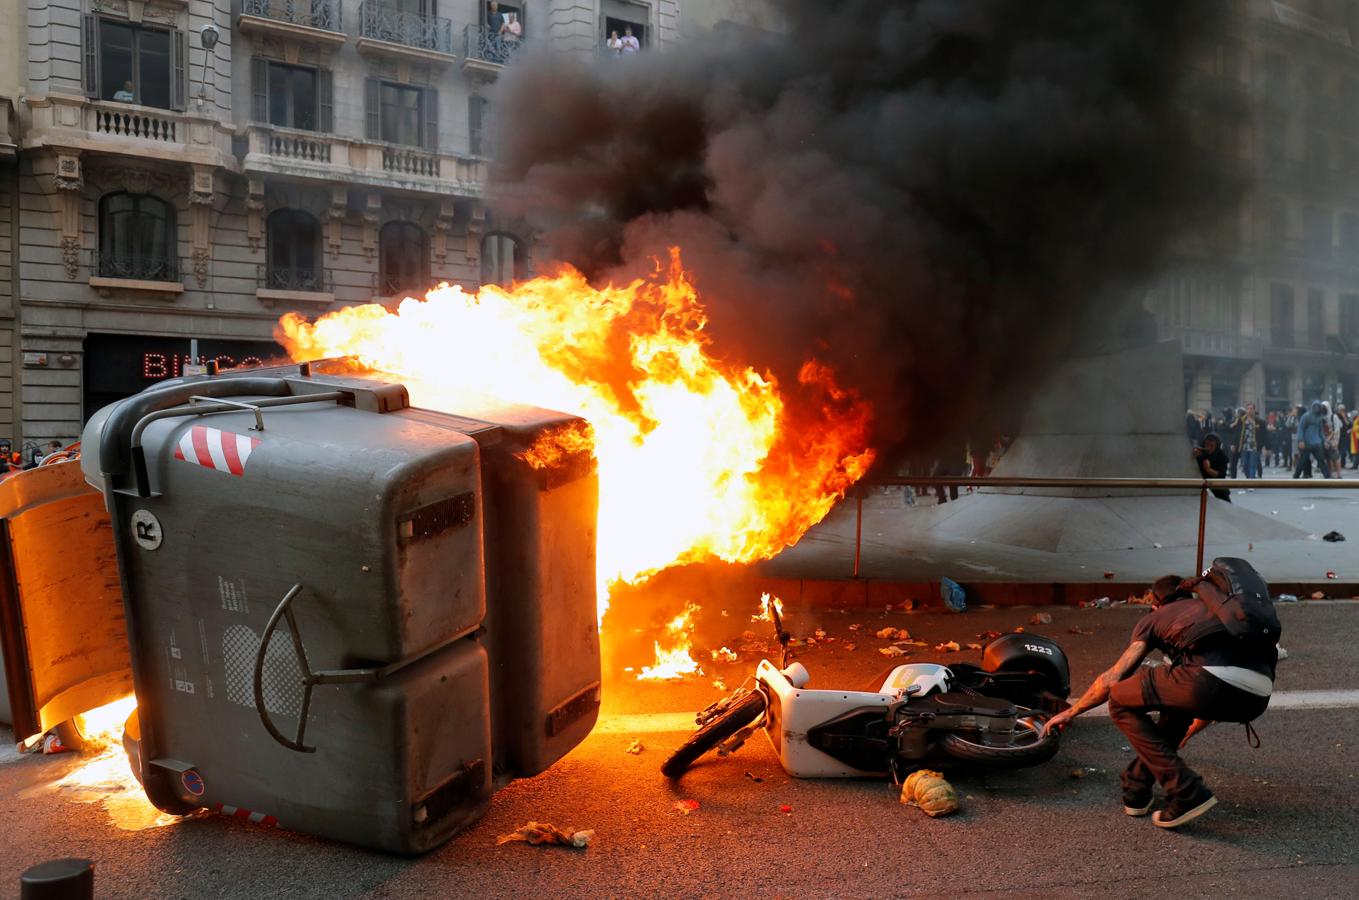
(1058, 722)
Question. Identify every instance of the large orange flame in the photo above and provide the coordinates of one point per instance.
(699, 458)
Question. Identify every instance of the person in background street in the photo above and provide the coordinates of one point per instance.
(1250, 432)
(1216, 678)
(1269, 450)
(1330, 430)
(949, 464)
(1354, 440)
(52, 447)
(1311, 444)
(1234, 440)
(1344, 443)
(630, 42)
(1193, 427)
(1212, 460)
(1291, 434)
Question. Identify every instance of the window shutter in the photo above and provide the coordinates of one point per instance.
(259, 89)
(430, 98)
(475, 105)
(179, 80)
(90, 48)
(373, 108)
(325, 102)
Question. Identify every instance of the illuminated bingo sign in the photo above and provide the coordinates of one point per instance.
(118, 366)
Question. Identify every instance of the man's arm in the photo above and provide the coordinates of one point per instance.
(1098, 692)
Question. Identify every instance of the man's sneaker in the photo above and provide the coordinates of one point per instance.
(1178, 810)
(1137, 803)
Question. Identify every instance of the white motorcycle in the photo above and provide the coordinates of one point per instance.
(990, 715)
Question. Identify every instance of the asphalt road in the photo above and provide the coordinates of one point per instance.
(1286, 824)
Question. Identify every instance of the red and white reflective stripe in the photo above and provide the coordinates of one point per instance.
(213, 448)
(245, 815)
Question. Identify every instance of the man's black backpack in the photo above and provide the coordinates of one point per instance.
(1239, 600)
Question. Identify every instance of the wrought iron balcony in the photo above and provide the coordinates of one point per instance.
(380, 22)
(324, 14)
(287, 278)
(480, 45)
(136, 267)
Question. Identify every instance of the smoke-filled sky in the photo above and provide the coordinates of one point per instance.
(930, 195)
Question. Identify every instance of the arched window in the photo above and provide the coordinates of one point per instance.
(403, 259)
(502, 259)
(293, 251)
(137, 238)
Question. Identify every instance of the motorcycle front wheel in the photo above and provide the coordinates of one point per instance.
(1029, 747)
(737, 716)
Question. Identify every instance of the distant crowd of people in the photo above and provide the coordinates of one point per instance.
(1241, 443)
(12, 461)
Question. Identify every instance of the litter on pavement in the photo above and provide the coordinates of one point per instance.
(540, 833)
(636, 747)
(1041, 618)
(686, 806)
(929, 791)
(1333, 536)
(953, 595)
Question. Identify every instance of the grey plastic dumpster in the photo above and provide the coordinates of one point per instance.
(344, 540)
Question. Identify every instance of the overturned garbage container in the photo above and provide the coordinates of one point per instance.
(304, 563)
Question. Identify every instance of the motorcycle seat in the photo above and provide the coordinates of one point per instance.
(953, 704)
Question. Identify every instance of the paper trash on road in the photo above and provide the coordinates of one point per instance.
(953, 595)
(540, 833)
(891, 651)
(686, 806)
(947, 647)
(1041, 618)
(930, 792)
(636, 747)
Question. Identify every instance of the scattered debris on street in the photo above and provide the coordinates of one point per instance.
(1041, 618)
(929, 791)
(636, 747)
(541, 833)
(685, 807)
(1333, 536)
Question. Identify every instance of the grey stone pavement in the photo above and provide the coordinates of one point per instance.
(1286, 825)
(902, 543)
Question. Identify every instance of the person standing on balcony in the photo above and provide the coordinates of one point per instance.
(615, 43)
(1311, 443)
(125, 94)
(510, 33)
(630, 42)
(495, 20)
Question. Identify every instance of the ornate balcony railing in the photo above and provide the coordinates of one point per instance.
(306, 148)
(478, 43)
(136, 267)
(140, 122)
(324, 14)
(382, 23)
(286, 278)
(410, 162)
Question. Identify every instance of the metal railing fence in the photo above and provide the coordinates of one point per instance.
(1204, 486)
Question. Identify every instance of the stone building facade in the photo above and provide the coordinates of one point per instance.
(158, 188)
(1267, 310)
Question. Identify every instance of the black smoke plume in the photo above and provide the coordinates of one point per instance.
(933, 196)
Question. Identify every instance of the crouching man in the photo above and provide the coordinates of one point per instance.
(1214, 675)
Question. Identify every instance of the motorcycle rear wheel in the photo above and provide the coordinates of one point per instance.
(737, 716)
(1031, 748)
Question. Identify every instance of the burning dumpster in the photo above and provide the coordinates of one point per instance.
(346, 614)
